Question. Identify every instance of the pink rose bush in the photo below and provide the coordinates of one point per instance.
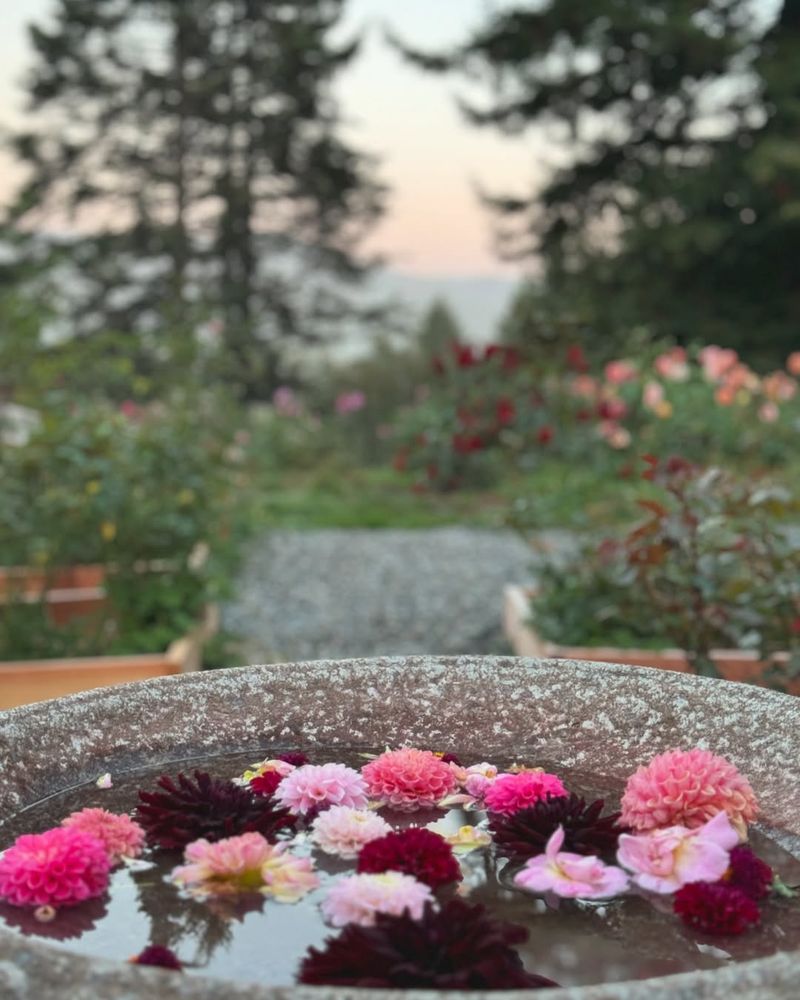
(571, 876)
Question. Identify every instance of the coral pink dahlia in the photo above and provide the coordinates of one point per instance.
(359, 898)
(409, 779)
(343, 831)
(687, 788)
(317, 786)
(122, 836)
(60, 867)
(511, 792)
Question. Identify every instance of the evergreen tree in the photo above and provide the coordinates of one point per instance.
(196, 149)
(676, 202)
(439, 329)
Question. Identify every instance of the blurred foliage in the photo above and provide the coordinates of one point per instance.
(675, 205)
(715, 564)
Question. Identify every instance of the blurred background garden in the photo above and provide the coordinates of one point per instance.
(323, 320)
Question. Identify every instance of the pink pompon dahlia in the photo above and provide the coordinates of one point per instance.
(247, 863)
(359, 898)
(60, 867)
(687, 788)
(409, 779)
(343, 831)
(121, 836)
(511, 792)
(317, 786)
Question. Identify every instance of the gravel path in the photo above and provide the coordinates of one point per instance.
(343, 593)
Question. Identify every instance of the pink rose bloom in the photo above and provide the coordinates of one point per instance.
(668, 859)
(571, 876)
(686, 788)
(617, 436)
(619, 372)
(673, 365)
(793, 363)
(409, 779)
(315, 786)
(121, 836)
(247, 863)
(768, 412)
(358, 898)
(584, 387)
(286, 402)
(653, 395)
(779, 387)
(716, 361)
(343, 831)
(60, 867)
(511, 792)
(350, 402)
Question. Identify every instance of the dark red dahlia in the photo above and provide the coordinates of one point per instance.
(416, 851)
(265, 784)
(460, 947)
(749, 873)
(586, 831)
(159, 956)
(185, 810)
(715, 908)
(450, 758)
(295, 757)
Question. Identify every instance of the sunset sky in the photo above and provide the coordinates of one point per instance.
(430, 158)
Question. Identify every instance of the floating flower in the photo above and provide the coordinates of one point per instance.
(749, 873)
(121, 836)
(478, 778)
(664, 860)
(466, 839)
(459, 947)
(572, 876)
(272, 766)
(247, 863)
(294, 757)
(158, 956)
(687, 788)
(525, 834)
(315, 786)
(104, 781)
(343, 831)
(409, 779)
(511, 792)
(265, 784)
(358, 899)
(715, 909)
(185, 810)
(60, 867)
(415, 851)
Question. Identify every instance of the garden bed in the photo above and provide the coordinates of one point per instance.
(26, 681)
(732, 664)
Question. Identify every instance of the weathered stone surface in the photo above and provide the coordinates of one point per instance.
(594, 716)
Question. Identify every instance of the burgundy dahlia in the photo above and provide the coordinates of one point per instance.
(715, 908)
(524, 834)
(749, 873)
(459, 947)
(185, 810)
(156, 954)
(265, 784)
(294, 757)
(451, 758)
(415, 851)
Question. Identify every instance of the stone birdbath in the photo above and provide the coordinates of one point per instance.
(607, 720)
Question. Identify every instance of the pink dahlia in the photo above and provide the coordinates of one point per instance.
(687, 788)
(343, 831)
(409, 779)
(60, 867)
(247, 863)
(359, 898)
(122, 836)
(511, 792)
(316, 786)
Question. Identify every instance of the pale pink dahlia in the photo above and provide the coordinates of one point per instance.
(316, 786)
(343, 831)
(60, 867)
(247, 863)
(122, 837)
(408, 779)
(686, 788)
(358, 898)
(511, 792)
